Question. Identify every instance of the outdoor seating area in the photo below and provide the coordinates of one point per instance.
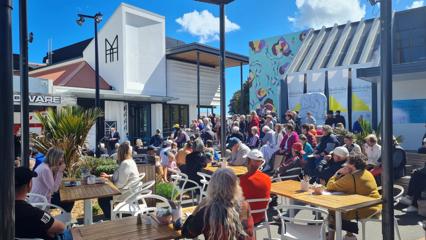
(128, 132)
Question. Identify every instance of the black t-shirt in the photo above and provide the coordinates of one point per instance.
(31, 222)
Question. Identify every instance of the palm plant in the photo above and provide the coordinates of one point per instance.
(67, 129)
(366, 130)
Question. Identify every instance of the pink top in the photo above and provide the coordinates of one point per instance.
(45, 183)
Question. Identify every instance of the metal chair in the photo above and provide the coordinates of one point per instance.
(265, 223)
(373, 218)
(180, 181)
(301, 228)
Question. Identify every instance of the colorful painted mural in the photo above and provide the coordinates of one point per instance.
(269, 61)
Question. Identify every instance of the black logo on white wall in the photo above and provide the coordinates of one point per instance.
(111, 50)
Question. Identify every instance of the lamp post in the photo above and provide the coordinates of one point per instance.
(386, 111)
(7, 153)
(221, 4)
(97, 18)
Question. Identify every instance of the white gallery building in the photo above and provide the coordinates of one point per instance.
(148, 80)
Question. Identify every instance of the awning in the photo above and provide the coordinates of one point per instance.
(209, 56)
(401, 72)
(108, 95)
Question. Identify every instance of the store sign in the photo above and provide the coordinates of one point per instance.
(43, 100)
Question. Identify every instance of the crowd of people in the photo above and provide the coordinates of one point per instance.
(328, 154)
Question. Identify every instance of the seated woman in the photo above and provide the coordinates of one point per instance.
(195, 162)
(223, 214)
(294, 160)
(139, 149)
(126, 173)
(416, 186)
(49, 179)
(253, 140)
(353, 178)
(372, 150)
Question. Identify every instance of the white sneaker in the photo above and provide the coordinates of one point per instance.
(352, 237)
(410, 209)
(406, 200)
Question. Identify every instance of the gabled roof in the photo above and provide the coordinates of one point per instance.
(69, 52)
(74, 74)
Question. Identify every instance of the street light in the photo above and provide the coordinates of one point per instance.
(221, 4)
(97, 18)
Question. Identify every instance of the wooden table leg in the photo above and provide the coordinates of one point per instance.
(338, 225)
(88, 214)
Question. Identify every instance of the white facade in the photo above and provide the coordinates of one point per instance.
(132, 52)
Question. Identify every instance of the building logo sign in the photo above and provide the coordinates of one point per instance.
(111, 50)
(42, 100)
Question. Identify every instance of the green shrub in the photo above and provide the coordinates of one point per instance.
(165, 190)
(108, 169)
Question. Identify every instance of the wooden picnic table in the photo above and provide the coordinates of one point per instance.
(87, 192)
(127, 228)
(238, 170)
(340, 203)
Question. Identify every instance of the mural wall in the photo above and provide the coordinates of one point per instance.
(269, 61)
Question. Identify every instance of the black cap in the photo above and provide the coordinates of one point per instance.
(23, 176)
(150, 148)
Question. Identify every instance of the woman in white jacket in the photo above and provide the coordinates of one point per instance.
(270, 148)
(126, 173)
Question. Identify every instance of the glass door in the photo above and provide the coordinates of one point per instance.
(139, 121)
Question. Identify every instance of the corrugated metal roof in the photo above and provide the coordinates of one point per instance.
(341, 45)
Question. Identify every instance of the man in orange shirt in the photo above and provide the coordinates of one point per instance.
(255, 184)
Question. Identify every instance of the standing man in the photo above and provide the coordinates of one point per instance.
(114, 138)
(339, 119)
(330, 120)
(255, 184)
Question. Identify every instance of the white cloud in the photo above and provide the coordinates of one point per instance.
(318, 13)
(416, 4)
(204, 25)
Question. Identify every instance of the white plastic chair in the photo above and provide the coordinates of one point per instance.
(205, 178)
(136, 204)
(63, 216)
(373, 217)
(130, 188)
(265, 223)
(180, 181)
(302, 228)
(34, 198)
(131, 205)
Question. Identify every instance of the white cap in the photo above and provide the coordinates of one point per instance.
(255, 155)
(341, 152)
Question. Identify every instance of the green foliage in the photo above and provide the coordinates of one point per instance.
(67, 128)
(165, 190)
(235, 102)
(95, 165)
(366, 130)
(96, 209)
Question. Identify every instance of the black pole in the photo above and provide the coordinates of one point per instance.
(97, 99)
(23, 66)
(222, 82)
(387, 135)
(198, 83)
(242, 89)
(7, 183)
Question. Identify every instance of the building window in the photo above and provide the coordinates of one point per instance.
(174, 114)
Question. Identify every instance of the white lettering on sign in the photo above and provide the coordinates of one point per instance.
(39, 99)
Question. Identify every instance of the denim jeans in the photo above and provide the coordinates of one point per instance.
(66, 235)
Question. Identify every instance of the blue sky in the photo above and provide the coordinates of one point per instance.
(250, 19)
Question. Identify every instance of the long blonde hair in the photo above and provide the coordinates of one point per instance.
(222, 206)
(54, 156)
(124, 152)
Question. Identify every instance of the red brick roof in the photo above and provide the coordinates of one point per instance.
(78, 74)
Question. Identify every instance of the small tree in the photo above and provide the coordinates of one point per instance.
(67, 129)
(235, 103)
